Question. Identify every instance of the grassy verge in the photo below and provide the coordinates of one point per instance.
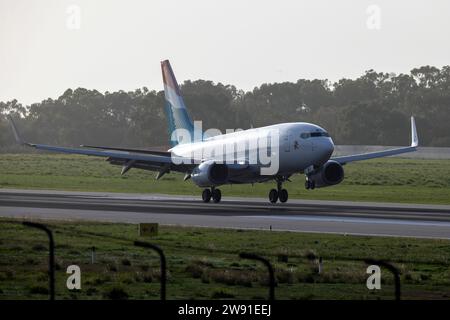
(390, 180)
(203, 263)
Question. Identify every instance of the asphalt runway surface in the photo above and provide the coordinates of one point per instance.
(352, 218)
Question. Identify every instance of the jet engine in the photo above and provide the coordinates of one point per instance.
(210, 173)
(329, 174)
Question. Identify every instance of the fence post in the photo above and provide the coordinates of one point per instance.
(162, 258)
(93, 255)
(266, 262)
(51, 258)
(393, 270)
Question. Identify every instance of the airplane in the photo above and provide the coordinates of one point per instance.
(297, 147)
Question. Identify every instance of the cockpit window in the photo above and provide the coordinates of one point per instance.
(306, 135)
(319, 134)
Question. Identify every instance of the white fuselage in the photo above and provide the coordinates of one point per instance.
(298, 146)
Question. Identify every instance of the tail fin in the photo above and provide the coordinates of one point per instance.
(176, 112)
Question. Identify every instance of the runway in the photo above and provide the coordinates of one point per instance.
(353, 218)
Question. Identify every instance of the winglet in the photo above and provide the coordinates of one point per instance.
(17, 135)
(414, 137)
(15, 131)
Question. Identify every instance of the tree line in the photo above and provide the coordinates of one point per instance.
(372, 109)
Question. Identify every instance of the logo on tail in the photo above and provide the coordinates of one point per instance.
(177, 116)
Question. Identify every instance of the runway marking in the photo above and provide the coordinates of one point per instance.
(313, 216)
(356, 220)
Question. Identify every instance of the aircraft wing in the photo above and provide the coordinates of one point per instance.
(145, 151)
(129, 159)
(384, 153)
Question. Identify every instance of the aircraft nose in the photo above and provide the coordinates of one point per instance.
(328, 148)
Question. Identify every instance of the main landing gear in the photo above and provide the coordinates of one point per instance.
(213, 193)
(279, 193)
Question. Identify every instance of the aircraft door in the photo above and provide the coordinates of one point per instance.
(287, 140)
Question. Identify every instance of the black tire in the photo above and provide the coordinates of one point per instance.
(216, 195)
(206, 195)
(283, 195)
(273, 196)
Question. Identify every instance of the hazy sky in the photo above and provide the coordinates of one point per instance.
(47, 46)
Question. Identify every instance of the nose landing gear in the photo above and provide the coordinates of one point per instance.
(214, 193)
(310, 184)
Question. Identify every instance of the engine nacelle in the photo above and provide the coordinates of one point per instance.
(329, 174)
(209, 174)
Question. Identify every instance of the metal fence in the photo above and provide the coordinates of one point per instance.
(271, 272)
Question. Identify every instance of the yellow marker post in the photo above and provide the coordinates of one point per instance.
(148, 229)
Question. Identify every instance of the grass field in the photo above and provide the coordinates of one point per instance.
(388, 179)
(204, 264)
